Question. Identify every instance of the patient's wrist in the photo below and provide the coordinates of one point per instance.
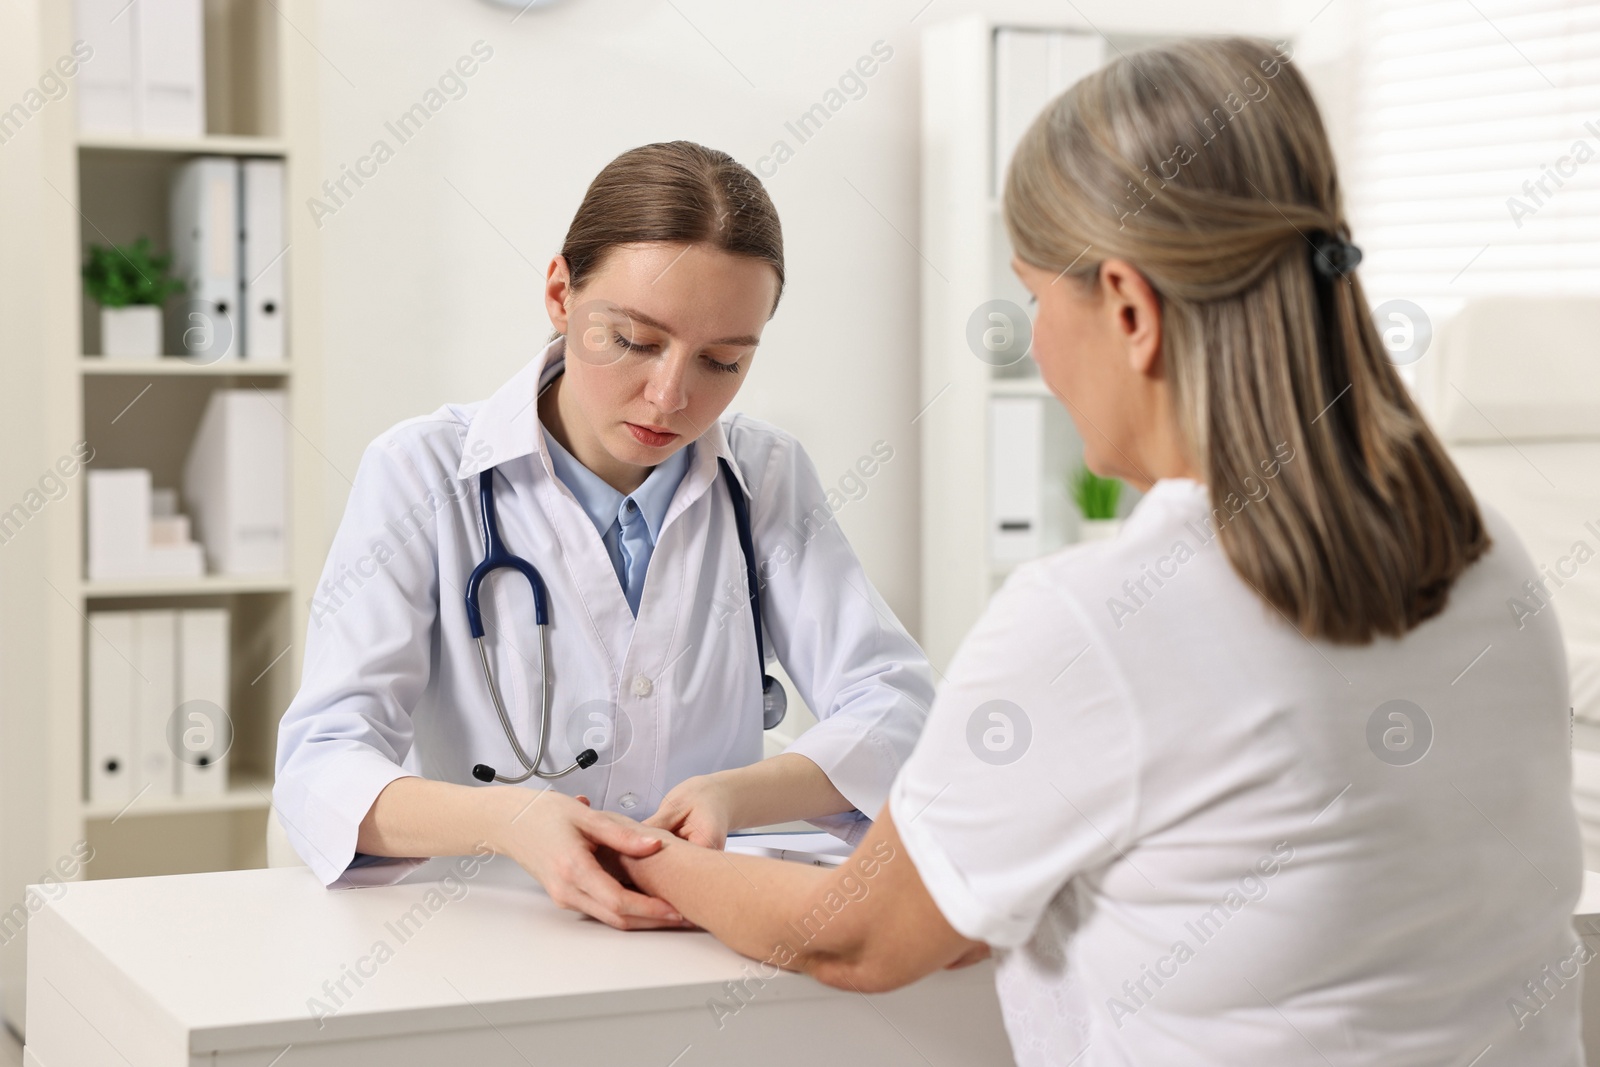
(641, 868)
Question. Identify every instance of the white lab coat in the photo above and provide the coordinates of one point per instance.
(392, 685)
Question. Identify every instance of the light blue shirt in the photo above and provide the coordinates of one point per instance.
(628, 525)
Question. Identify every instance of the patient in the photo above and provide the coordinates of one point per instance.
(1274, 777)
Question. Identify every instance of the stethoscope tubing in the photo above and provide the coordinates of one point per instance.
(495, 558)
(531, 767)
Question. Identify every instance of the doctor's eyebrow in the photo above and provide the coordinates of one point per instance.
(746, 339)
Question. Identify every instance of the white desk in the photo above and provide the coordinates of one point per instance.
(218, 970)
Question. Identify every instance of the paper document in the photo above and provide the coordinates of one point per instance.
(818, 849)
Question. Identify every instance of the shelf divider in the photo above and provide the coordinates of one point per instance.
(243, 793)
(169, 366)
(209, 145)
(209, 585)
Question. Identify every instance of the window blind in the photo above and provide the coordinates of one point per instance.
(1475, 149)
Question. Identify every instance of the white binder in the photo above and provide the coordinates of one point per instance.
(109, 730)
(169, 67)
(1032, 68)
(262, 258)
(234, 485)
(204, 221)
(105, 82)
(203, 729)
(155, 698)
(1016, 478)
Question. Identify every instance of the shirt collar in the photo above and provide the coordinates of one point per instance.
(506, 427)
(604, 504)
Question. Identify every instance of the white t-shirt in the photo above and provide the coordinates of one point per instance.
(1195, 837)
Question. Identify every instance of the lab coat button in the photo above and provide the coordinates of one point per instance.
(628, 801)
(642, 686)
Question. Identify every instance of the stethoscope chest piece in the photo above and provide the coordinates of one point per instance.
(774, 702)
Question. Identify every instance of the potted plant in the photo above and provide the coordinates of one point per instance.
(1096, 498)
(130, 283)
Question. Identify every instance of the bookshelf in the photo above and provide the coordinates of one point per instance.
(60, 192)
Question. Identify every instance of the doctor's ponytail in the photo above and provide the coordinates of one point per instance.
(1205, 164)
(677, 192)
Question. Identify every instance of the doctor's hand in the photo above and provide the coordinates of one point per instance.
(555, 838)
(699, 810)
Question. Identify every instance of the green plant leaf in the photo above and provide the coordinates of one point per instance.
(116, 276)
(1095, 496)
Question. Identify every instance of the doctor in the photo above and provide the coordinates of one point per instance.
(608, 465)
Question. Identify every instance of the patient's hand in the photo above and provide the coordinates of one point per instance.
(699, 810)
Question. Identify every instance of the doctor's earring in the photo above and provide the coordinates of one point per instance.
(599, 332)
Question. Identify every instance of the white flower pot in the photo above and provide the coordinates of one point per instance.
(131, 332)
(1098, 529)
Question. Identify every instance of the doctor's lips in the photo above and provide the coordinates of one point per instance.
(652, 436)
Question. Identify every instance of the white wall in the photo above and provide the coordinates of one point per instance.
(428, 301)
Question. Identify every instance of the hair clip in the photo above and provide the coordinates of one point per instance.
(1332, 256)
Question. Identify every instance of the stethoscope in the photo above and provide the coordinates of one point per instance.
(774, 700)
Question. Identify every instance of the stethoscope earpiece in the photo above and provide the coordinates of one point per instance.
(586, 759)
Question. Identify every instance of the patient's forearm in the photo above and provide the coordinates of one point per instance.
(750, 903)
(870, 925)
